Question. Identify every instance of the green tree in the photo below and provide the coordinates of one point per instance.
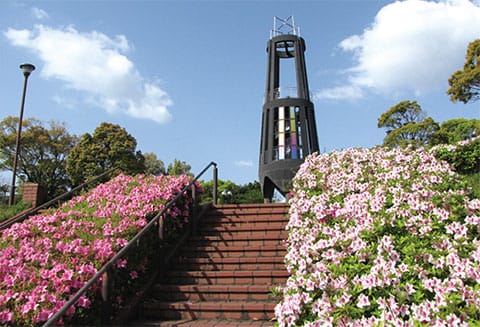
(465, 84)
(153, 165)
(250, 193)
(456, 130)
(405, 125)
(110, 146)
(231, 193)
(402, 113)
(44, 149)
(178, 167)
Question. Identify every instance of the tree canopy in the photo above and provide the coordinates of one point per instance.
(178, 167)
(455, 130)
(405, 128)
(406, 125)
(110, 146)
(465, 84)
(402, 113)
(43, 152)
(231, 193)
(153, 165)
(414, 134)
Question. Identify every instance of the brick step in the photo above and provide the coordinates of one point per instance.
(232, 263)
(224, 274)
(246, 216)
(244, 224)
(221, 217)
(233, 251)
(251, 310)
(274, 226)
(252, 206)
(212, 293)
(238, 277)
(234, 243)
(202, 323)
(215, 255)
(242, 239)
(217, 216)
(239, 236)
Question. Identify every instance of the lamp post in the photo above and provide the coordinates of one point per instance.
(26, 69)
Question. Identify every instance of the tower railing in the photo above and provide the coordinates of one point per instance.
(284, 26)
(285, 92)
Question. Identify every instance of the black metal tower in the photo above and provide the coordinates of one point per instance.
(289, 132)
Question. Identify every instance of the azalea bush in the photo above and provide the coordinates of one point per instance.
(47, 258)
(381, 237)
(464, 156)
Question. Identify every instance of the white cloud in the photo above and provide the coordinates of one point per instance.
(95, 64)
(39, 13)
(350, 92)
(244, 163)
(64, 102)
(412, 46)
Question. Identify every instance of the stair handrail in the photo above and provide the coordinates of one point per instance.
(103, 271)
(58, 198)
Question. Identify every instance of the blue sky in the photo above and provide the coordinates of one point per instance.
(187, 78)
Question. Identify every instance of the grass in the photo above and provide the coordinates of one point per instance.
(7, 211)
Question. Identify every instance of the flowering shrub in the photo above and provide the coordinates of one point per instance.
(47, 258)
(463, 157)
(381, 237)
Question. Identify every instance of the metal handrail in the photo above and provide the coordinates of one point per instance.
(47, 204)
(129, 245)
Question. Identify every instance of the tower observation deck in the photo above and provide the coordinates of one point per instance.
(289, 130)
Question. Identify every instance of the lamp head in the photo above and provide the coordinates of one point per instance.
(27, 69)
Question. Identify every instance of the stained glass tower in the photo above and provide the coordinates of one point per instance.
(289, 131)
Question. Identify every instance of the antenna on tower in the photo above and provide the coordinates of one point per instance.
(284, 26)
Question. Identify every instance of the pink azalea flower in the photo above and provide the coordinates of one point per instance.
(133, 274)
(363, 301)
(47, 258)
(391, 222)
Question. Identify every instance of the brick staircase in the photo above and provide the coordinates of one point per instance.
(224, 274)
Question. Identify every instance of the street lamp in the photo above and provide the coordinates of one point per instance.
(26, 69)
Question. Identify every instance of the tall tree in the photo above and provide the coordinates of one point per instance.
(110, 146)
(178, 167)
(405, 125)
(229, 192)
(250, 193)
(43, 152)
(402, 113)
(414, 134)
(465, 84)
(153, 165)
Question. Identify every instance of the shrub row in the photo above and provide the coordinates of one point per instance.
(47, 258)
(381, 237)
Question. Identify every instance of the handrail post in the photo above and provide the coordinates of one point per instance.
(215, 184)
(107, 285)
(194, 212)
(160, 228)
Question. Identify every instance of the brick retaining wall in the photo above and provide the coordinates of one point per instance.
(34, 193)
